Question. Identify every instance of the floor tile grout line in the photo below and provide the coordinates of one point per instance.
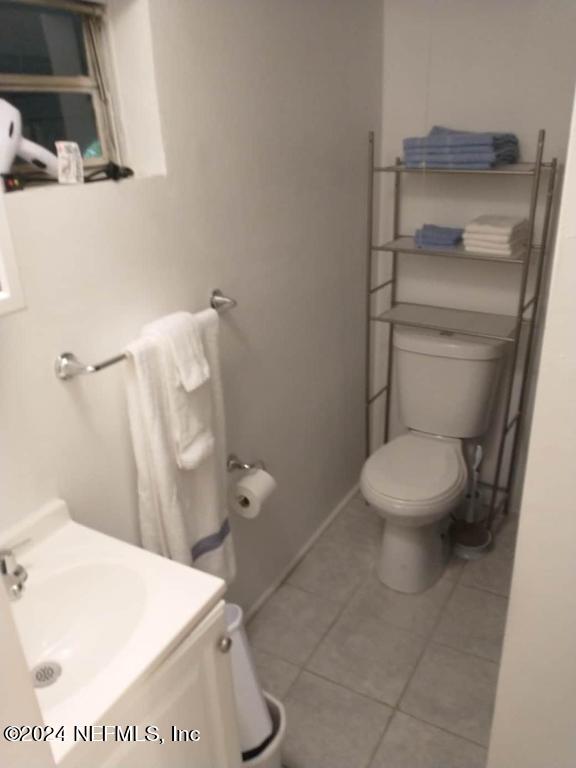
(478, 587)
(458, 579)
(487, 591)
(381, 739)
(365, 696)
(322, 536)
(396, 707)
(303, 666)
(359, 694)
(309, 592)
(442, 728)
(474, 588)
(336, 618)
(432, 641)
(442, 644)
(427, 637)
(355, 691)
(345, 603)
(428, 641)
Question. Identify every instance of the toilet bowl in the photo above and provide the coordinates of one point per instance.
(446, 386)
(414, 482)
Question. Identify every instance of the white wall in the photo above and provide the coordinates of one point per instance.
(477, 65)
(265, 109)
(536, 700)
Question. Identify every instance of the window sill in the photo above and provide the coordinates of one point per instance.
(39, 189)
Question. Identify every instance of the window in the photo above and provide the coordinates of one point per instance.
(52, 70)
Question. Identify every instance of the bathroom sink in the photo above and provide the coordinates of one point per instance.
(79, 619)
(97, 615)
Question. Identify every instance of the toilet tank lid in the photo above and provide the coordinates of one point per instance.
(447, 344)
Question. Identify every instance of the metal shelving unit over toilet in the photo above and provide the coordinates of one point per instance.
(479, 324)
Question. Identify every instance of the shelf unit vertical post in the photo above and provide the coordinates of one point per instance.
(532, 326)
(393, 295)
(369, 270)
(507, 424)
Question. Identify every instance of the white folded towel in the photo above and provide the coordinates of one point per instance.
(472, 245)
(183, 337)
(516, 251)
(186, 369)
(519, 235)
(478, 243)
(181, 488)
(507, 226)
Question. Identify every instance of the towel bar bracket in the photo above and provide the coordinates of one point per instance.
(220, 302)
(67, 365)
(233, 463)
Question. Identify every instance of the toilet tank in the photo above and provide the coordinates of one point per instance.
(446, 381)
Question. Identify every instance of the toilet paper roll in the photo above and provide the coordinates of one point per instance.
(251, 491)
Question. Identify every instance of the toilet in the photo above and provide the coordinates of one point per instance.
(446, 384)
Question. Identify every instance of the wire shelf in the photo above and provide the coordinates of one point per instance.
(513, 169)
(407, 244)
(480, 324)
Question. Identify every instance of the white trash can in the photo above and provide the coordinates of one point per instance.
(271, 756)
(255, 725)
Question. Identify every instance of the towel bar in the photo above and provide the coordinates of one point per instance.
(67, 365)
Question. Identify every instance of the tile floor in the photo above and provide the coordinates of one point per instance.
(375, 679)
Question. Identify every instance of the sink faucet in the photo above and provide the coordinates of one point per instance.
(13, 574)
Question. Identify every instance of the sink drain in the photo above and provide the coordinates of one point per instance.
(46, 673)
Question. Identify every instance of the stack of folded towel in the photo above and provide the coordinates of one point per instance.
(497, 236)
(446, 148)
(432, 236)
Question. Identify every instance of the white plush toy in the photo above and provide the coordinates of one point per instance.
(13, 144)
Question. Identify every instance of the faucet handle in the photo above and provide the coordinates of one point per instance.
(20, 574)
(9, 566)
(8, 562)
(12, 573)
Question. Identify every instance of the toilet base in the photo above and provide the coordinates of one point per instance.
(412, 559)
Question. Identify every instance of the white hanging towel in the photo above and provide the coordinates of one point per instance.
(176, 411)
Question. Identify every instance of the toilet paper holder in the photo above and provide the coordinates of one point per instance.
(234, 463)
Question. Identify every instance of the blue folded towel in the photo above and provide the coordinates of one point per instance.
(473, 166)
(446, 137)
(457, 157)
(456, 150)
(433, 236)
(464, 137)
(445, 148)
(458, 160)
(485, 153)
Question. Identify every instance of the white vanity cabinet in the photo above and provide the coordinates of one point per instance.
(140, 642)
(190, 690)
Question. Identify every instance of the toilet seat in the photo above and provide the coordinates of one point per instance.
(415, 476)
